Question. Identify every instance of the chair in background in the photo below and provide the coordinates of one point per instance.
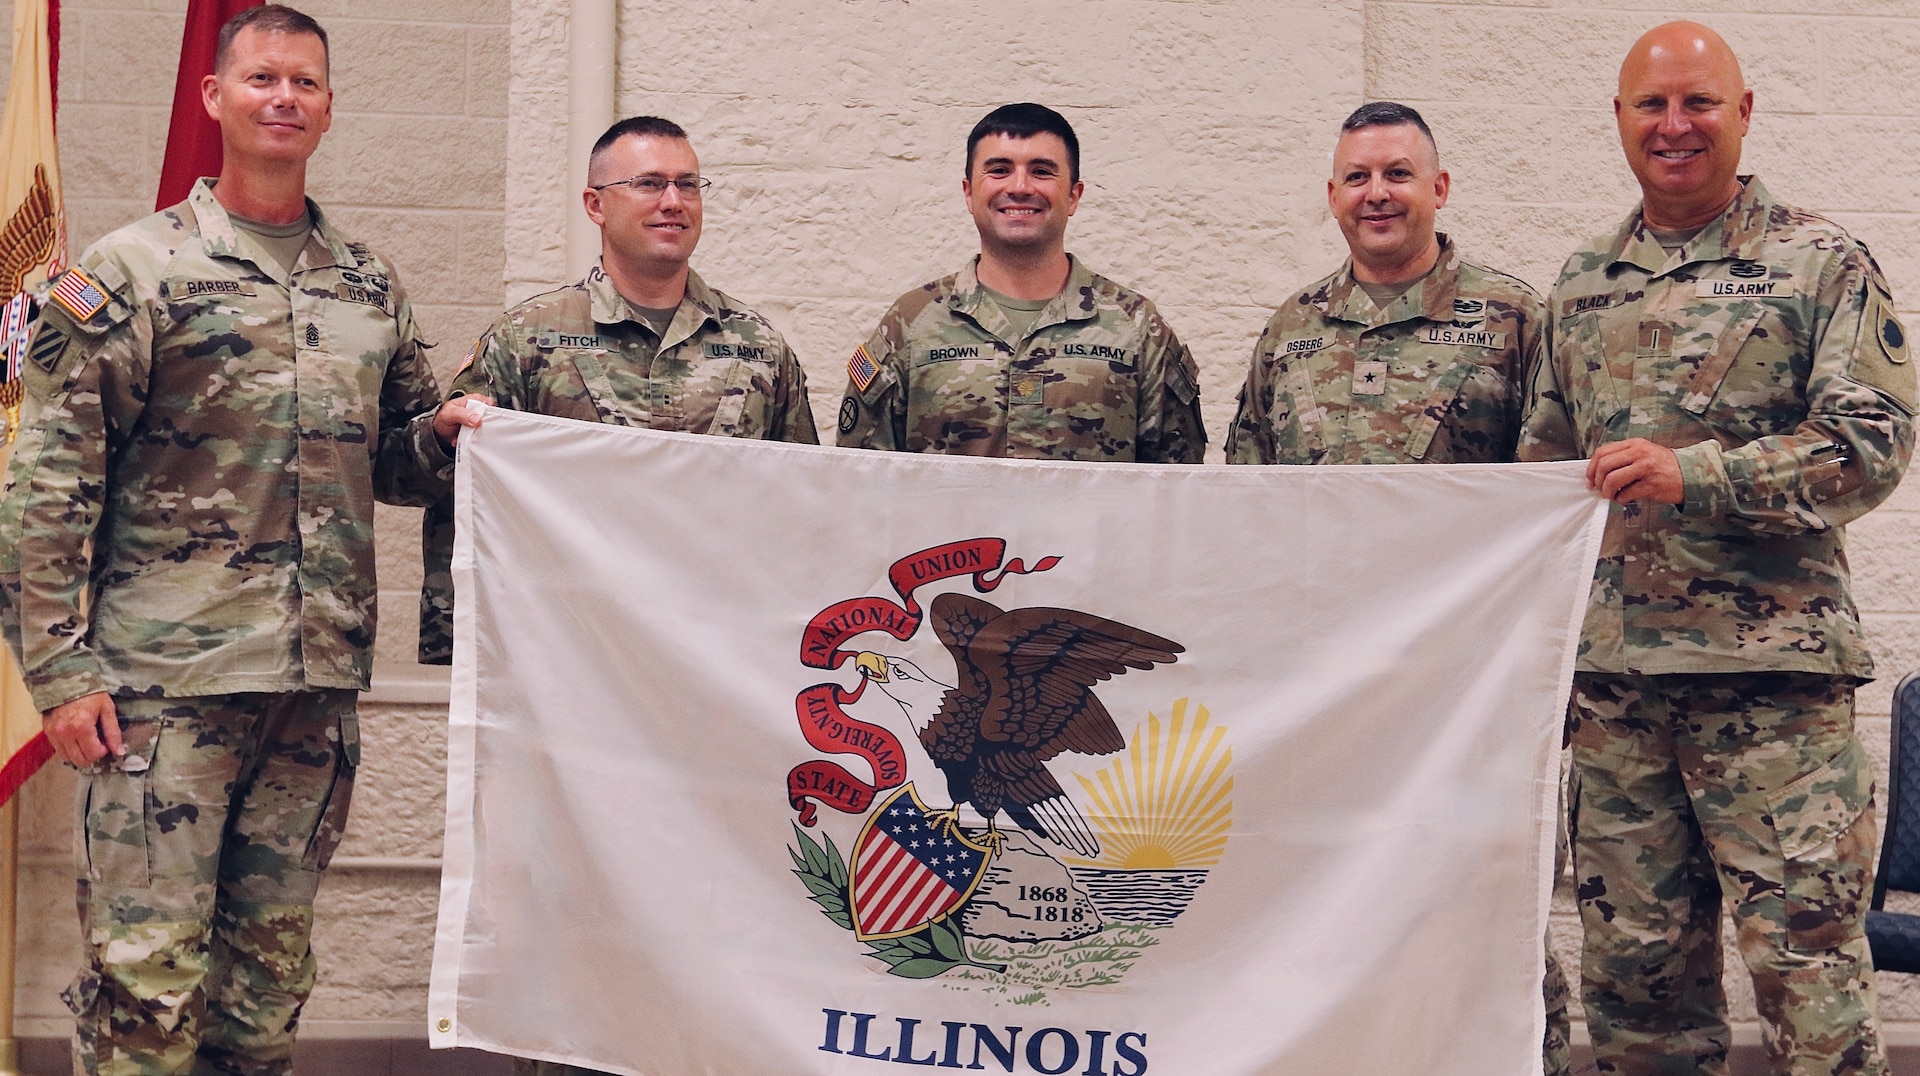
(1895, 936)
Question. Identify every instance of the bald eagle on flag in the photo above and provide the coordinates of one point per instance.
(1025, 696)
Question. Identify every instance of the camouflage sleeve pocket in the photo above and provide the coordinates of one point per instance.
(1824, 822)
(333, 813)
(114, 810)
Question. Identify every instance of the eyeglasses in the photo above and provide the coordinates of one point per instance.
(653, 185)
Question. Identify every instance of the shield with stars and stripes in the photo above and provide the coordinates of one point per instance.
(909, 871)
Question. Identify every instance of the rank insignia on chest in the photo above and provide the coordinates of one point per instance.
(1369, 378)
(861, 369)
(1027, 389)
(78, 295)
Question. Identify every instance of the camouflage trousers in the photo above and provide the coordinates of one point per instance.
(199, 855)
(1556, 1047)
(1688, 789)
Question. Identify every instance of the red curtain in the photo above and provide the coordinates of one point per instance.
(193, 140)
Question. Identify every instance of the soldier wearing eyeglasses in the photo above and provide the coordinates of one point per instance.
(642, 341)
(1026, 352)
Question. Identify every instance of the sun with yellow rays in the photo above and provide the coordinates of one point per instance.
(1165, 804)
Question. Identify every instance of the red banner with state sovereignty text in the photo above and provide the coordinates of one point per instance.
(823, 719)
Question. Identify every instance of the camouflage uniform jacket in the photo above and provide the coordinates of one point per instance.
(218, 432)
(1100, 377)
(1438, 376)
(1765, 353)
(579, 352)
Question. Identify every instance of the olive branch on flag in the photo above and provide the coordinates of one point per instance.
(935, 949)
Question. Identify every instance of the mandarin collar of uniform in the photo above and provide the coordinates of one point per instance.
(1738, 232)
(609, 307)
(1431, 297)
(1074, 303)
(221, 237)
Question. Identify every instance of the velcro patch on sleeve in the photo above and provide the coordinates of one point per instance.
(1881, 355)
(49, 343)
(861, 369)
(78, 295)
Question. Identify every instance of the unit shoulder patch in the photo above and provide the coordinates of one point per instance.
(1883, 361)
(48, 345)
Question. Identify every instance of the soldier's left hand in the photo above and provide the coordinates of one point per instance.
(1636, 470)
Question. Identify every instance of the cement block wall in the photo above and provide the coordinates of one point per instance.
(834, 132)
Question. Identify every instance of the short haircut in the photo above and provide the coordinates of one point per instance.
(1389, 114)
(1024, 120)
(635, 127)
(268, 19)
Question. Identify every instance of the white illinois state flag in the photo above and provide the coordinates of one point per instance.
(778, 759)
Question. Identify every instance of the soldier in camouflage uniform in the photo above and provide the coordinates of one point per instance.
(214, 401)
(1408, 354)
(1025, 353)
(1732, 369)
(642, 341)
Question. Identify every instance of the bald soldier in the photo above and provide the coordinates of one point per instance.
(1408, 353)
(1732, 370)
(1025, 352)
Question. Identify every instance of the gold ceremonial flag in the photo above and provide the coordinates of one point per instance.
(33, 238)
(33, 247)
(33, 233)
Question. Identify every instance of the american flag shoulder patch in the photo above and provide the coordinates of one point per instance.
(78, 295)
(861, 368)
(472, 350)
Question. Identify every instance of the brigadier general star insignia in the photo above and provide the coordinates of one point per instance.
(78, 295)
(861, 368)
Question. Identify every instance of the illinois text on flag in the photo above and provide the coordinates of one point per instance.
(778, 758)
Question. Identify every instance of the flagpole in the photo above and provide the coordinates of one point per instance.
(9, 906)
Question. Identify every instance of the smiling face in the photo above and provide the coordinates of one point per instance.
(1683, 110)
(1020, 193)
(271, 100)
(653, 236)
(1386, 187)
